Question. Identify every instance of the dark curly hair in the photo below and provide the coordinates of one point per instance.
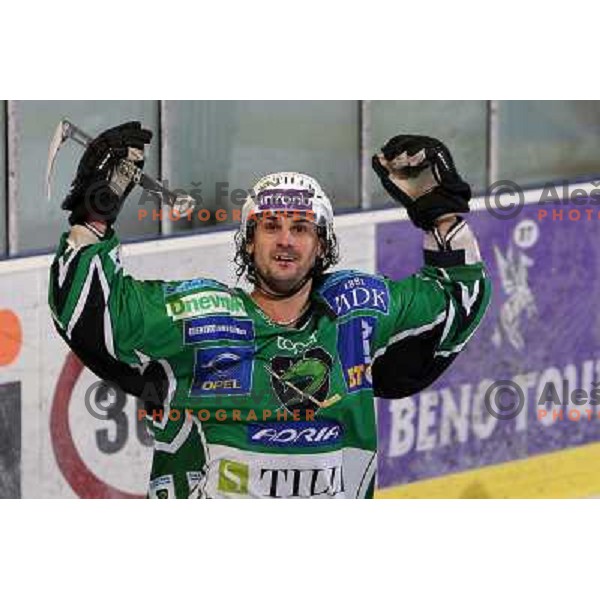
(245, 263)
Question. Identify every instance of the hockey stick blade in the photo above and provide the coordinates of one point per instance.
(66, 130)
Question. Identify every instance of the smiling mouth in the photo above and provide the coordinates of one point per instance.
(284, 259)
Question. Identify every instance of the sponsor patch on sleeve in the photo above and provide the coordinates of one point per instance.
(354, 350)
(216, 328)
(355, 292)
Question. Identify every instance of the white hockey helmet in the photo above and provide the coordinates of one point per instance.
(291, 192)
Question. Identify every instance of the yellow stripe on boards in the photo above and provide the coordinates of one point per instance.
(572, 473)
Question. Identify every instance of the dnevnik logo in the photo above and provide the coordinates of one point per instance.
(203, 303)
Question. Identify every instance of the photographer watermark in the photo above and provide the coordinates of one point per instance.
(556, 201)
(219, 215)
(100, 198)
(504, 199)
(104, 400)
(505, 399)
(503, 406)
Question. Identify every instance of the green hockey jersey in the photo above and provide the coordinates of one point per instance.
(242, 407)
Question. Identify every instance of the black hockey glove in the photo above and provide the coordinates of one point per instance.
(418, 171)
(105, 175)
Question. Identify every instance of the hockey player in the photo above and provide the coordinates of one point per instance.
(275, 388)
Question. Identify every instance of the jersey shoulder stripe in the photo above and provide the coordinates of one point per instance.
(174, 288)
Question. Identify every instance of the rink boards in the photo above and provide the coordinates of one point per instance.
(541, 333)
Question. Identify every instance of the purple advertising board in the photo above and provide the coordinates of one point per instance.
(541, 333)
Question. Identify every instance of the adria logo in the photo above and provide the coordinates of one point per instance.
(298, 434)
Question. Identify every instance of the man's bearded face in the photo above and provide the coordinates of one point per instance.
(285, 249)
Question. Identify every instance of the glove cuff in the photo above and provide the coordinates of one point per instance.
(435, 204)
(457, 247)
